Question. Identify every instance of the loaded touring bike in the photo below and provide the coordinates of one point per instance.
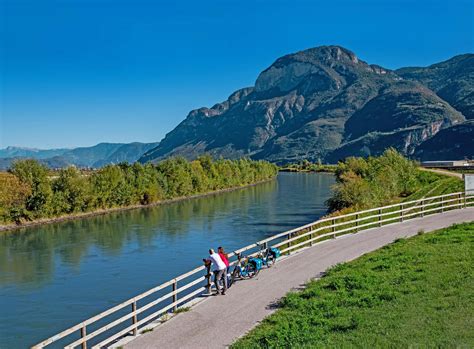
(249, 267)
(269, 256)
(246, 268)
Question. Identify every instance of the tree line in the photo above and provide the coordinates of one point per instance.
(308, 166)
(28, 191)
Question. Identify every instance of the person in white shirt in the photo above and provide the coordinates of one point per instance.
(219, 269)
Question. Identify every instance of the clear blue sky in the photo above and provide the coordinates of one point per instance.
(79, 72)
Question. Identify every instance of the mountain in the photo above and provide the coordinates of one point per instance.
(54, 162)
(95, 156)
(13, 152)
(452, 80)
(452, 143)
(126, 153)
(326, 103)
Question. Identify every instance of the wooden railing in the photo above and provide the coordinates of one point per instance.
(198, 281)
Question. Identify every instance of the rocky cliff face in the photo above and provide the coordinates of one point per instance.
(452, 80)
(319, 103)
(456, 142)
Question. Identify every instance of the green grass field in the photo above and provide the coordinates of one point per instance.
(415, 293)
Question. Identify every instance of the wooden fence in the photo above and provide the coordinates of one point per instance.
(197, 282)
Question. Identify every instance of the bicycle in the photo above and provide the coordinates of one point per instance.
(245, 269)
(267, 257)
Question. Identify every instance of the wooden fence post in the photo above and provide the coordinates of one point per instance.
(83, 334)
(401, 212)
(333, 221)
(175, 295)
(134, 318)
(311, 236)
(442, 204)
(380, 217)
(289, 244)
(357, 222)
(422, 208)
(208, 276)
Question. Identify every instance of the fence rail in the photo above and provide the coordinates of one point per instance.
(287, 241)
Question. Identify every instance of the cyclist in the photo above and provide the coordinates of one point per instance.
(218, 270)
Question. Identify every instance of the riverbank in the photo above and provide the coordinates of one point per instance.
(309, 168)
(307, 171)
(45, 221)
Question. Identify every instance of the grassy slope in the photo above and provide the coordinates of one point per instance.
(436, 184)
(415, 292)
(430, 184)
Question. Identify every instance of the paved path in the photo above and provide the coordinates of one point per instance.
(218, 321)
(443, 172)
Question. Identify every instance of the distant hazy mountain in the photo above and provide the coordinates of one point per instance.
(127, 152)
(11, 152)
(95, 156)
(326, 103)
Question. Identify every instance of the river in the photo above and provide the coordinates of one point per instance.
(53, 276)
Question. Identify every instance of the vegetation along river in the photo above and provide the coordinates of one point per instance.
(53, 276)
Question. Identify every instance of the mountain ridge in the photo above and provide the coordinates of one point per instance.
(321, 102)
(94, 156)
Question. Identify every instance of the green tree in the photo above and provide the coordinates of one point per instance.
(13, 196)
(105, 184)
(374, 181)
(70, 192)
(35, 175)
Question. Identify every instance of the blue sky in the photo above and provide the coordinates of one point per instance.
(80, 72)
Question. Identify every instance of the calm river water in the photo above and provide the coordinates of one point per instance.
(54, 276)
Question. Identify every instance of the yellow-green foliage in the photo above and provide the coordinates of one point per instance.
(28, 192)
(13, 195)
(307, 166)
(377, 181)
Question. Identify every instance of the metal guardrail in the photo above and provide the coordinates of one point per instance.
(287, 241)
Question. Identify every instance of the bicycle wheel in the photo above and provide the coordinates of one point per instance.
(235, 274)
(270, 260)
(251, 270)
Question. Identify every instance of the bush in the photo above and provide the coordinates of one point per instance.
(13, 195)
(375, 181)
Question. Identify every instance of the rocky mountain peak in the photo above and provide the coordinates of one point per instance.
(327, 67)
(326, 103)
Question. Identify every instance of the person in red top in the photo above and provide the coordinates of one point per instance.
(223, 256)
(225, 259)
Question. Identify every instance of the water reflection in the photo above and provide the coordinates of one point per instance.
(28, 256)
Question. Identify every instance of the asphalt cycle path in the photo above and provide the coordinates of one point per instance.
(218, 321)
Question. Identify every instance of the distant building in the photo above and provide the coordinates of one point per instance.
(446, 163)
